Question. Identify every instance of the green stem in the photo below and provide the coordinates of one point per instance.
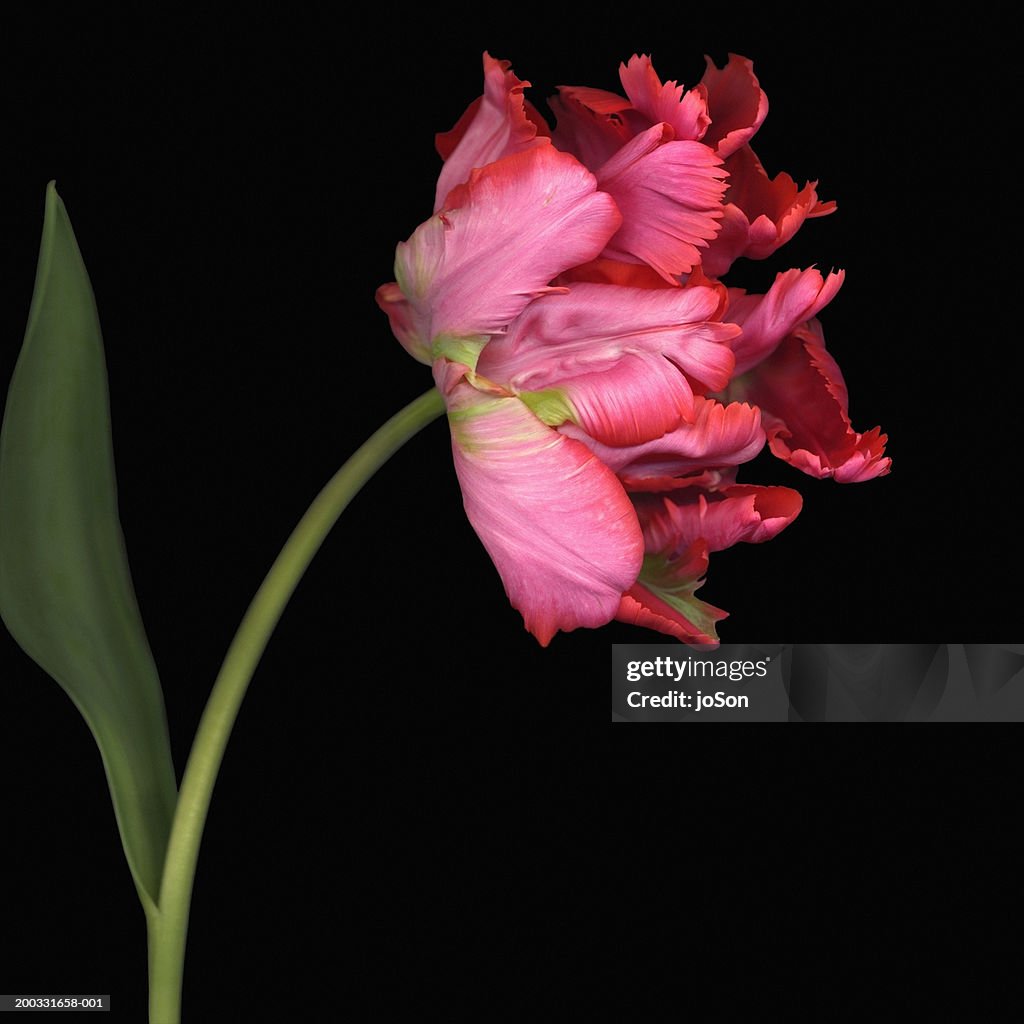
(168, 925)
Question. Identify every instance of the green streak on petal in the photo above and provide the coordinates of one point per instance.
(551, 406)
(519, 429)
(402, 279)
(458, 418)
(459, 350)
(415, 287)
(658, 577)
(480, 408)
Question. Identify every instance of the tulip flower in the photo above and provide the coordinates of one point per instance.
(516, 360)
(602, 384)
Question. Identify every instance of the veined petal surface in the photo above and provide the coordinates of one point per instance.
(515, 225)
(558, 526)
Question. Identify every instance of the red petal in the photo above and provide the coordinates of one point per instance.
(736, 103)
(606, 271)
(445, 142)
(805, 407)
(590, 124)
(729, 244)
(773, 208)
(663, 598)
(721, 518)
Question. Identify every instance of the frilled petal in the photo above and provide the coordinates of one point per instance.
(721, 518)
(805, 406)
(590, 123)
(516, 224)
(720, 435)
(729, 244)
(736, 103)
(794, 297)
(496, 124)
(663, 598)
(686, 112)
(777, 200)
(680, 529)
(592, 326)
(768, 210)
(670, 196)
(557, 524)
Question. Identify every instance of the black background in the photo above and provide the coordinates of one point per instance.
(237, 188)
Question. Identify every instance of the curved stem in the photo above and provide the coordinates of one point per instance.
(168, 924)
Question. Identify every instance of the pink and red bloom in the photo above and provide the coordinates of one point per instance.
(602, 383)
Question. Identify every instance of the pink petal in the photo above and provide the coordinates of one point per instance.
(516, 224)
(805, 406)
(687, 114)
(593, 326)
(736, 103)
(639, 398)
(721, 518)
(405, 321)
(663, 598)
(720, 435)
(557, 524)
(795, 296)
(669, 194)
(495, 125)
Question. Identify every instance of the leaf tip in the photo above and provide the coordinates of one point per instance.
(53, 207)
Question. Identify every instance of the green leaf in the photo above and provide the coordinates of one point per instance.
(65, 590)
